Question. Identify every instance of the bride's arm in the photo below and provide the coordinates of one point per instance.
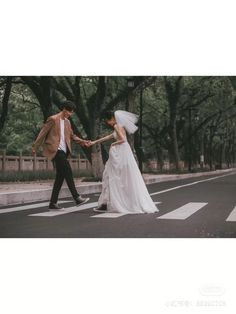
(103, 139)
(120, 135)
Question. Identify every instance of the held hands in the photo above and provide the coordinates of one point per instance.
(87, 143)
(91, 143)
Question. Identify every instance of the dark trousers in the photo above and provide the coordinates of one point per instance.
(63, 171)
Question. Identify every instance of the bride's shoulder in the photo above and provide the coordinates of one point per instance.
(120, 130)
(118, 127)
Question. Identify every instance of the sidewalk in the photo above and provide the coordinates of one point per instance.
(20, 193)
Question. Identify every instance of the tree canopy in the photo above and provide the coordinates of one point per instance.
(183, 118)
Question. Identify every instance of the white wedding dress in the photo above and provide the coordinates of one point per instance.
(123, 187)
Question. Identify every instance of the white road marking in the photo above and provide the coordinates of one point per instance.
(65, 210)
(232, 215)
(183, 212)
(189, 184)
(108, 215)
(25, 207)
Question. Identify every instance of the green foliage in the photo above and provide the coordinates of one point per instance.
(23, 123)
(204, 114)
(24, 176)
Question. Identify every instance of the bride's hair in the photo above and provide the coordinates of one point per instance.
(108, 115)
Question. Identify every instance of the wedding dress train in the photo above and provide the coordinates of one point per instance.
(123, 187)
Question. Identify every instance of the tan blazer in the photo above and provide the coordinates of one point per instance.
(49, 136)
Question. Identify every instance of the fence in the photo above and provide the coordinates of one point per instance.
(23, 163)
(155, 165)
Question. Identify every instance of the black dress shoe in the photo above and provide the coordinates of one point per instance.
(80, 200)
(101, 209)
(54, 207)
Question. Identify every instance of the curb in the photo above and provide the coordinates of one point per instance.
(170, 177)
(22, 197)
(29, 196)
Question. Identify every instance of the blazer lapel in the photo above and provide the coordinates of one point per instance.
(67, 129)
(58, 126)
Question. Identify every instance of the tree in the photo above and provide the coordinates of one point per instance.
(182, 117)
(173, 90)
(93, 96)
(5, 102)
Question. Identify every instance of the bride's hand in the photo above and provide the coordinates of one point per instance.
(91, 143)
(86, 143)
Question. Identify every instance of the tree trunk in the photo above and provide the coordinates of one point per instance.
(233, 150)
(130, 107)
(41, 87)
(223, 155)
(96, 155)
(95, 108)
(173, 91)
(97, 162)
(45, 99)
(5, 102)
(211, 153)
(173, 135)
(202, 151)
(159, 154)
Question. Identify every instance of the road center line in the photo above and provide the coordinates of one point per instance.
(192, 183)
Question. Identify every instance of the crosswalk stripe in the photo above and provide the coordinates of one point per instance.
(108, 215)
(183, 212)
(25, 207)
(232, 215)
(65, 210)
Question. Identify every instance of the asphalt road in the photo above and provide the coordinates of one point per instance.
(187, 209)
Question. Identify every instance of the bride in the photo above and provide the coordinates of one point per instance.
(123, 188)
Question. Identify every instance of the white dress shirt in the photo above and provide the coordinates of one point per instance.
(62, 145)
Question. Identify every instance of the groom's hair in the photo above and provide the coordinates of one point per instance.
(68, 105)
(108, 115)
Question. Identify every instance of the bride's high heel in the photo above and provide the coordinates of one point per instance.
(101, 209)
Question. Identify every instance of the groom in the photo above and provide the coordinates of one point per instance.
(56, 136)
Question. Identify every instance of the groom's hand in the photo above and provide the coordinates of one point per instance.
(85, 143)
(33, 151)
(88, 143)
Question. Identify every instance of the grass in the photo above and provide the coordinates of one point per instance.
(180, 171)
(39, 175)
